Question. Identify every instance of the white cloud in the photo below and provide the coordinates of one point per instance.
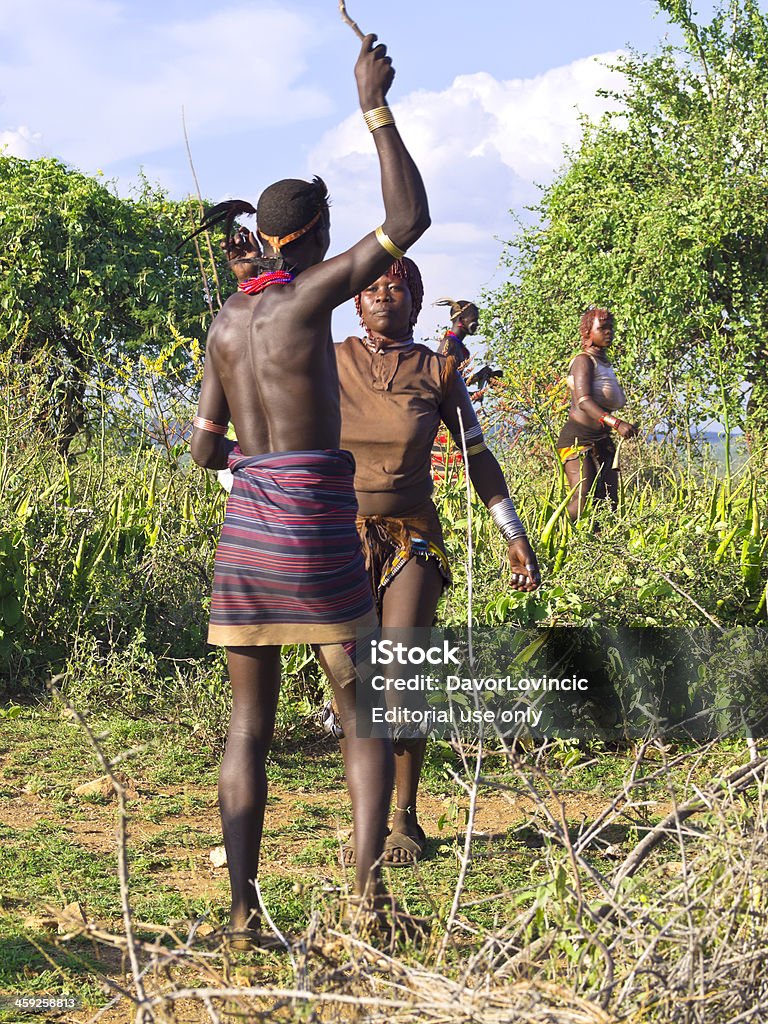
(21, 142)
(482, 146)
(104, 85)
(101, 83)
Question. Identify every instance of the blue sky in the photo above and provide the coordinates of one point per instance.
(486, 96)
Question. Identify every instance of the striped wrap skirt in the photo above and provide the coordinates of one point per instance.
(289, 568)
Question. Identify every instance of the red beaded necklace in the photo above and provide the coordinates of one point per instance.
(254, 285)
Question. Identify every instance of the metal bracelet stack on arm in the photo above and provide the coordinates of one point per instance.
(488, 481)
(506, 518)
(289, 566)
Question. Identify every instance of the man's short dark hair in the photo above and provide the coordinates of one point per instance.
(290, 207)
(286, 210)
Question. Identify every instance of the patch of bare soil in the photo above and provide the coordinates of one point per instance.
(294, 819)
(289, 822)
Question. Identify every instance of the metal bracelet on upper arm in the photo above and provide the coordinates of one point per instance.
(386, 243)
(474, 440)
(213, 428)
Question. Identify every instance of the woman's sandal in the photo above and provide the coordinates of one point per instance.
(402, 841)
(348, 851)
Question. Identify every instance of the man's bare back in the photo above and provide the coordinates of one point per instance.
(270, 364)
(279, 377)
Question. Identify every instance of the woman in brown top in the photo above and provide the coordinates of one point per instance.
(394, 396)
(585, 446)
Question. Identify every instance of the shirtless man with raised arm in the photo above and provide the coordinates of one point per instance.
(288, 565)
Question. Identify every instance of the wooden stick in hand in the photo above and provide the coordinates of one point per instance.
(348, 21)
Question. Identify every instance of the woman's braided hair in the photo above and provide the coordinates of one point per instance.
(588, 317)
(407, 271)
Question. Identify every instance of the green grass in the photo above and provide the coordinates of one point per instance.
(513, 866)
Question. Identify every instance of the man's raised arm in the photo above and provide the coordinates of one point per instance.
(405, 199)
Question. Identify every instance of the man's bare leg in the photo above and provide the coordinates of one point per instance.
(369, 774)
(410, 600)
(254, 673)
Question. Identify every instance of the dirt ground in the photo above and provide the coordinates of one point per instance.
(182, 837)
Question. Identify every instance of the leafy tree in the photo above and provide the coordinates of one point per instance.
(663, 213)
(91, 282)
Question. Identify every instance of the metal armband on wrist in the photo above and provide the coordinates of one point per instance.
(378, 117)
(506, 518)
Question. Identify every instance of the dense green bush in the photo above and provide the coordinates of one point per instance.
(685, 543)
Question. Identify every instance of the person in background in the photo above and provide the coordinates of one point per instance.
(585, 445)
(464, 320)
